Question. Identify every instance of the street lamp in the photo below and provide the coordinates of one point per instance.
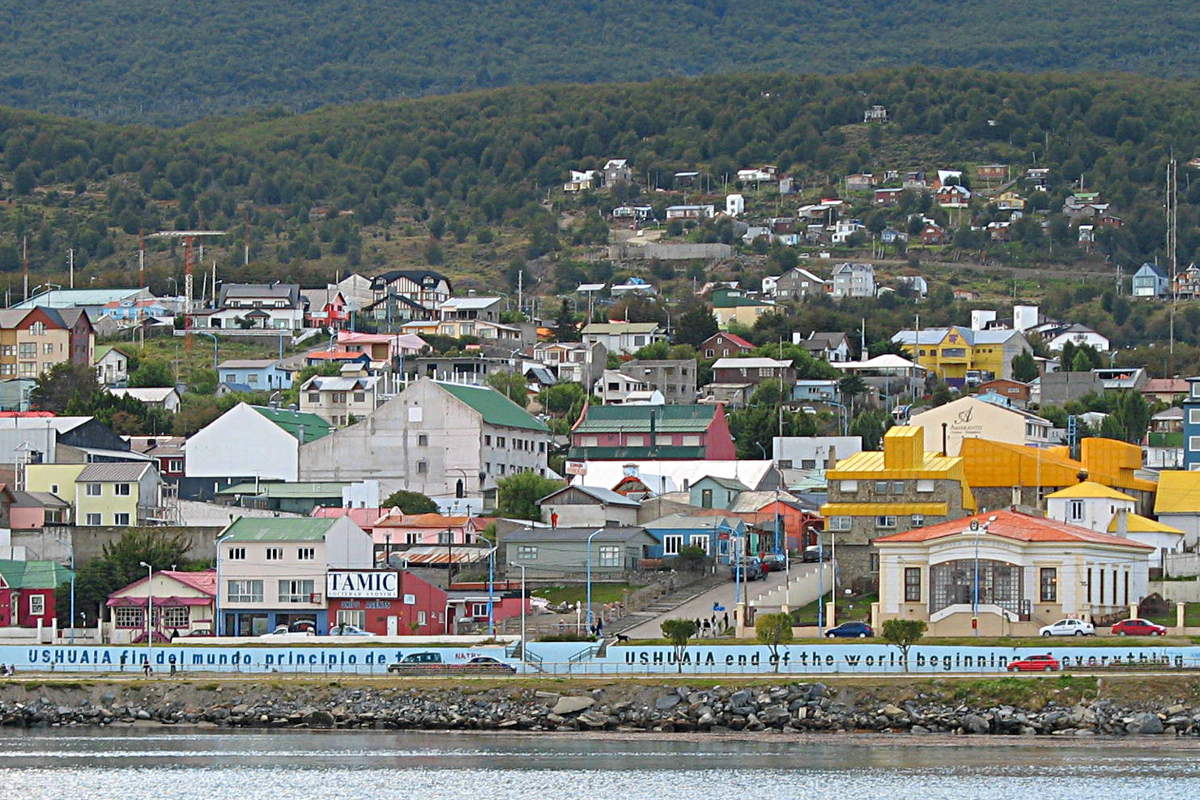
(523, 603)
(216, 345)
(149, 609)
(220, 627)
(72, 596)
(591, 536)
(491, 611)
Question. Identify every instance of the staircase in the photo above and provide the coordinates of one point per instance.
(802, 588)
(662, 605)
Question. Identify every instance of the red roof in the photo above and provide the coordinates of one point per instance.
(733, 337)
(1013, 525)
(362, 517)
(400, 520)
(203, 581)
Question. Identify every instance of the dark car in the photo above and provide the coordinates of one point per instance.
(1042, 663)
(814, 554)
(850, 630)
(774, 562)
(751, 568)
(1138, 627)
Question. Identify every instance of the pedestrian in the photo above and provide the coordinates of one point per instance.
(600, 628)
(725, 621)
(707, 630)
(122, 662)
(146, 668)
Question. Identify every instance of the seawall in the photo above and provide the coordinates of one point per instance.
(1053, 706)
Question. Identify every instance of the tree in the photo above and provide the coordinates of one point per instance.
(410, 502)
(695, 325)
(152, 373)
(849, 388)
(63, 384)
(119, 564)
(903, 634)
(871, 425)
(562, 399)
(565, 327)
(1129, 417)
(679, 632)
(773, 630)
(517, 495)
(1024, 367)
(1080, 362)
(510, 384)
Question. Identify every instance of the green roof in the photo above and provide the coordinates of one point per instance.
(636, 419)
(279, 529)
(736, 301)
(495, 408)
(34, 574)
(304, 426)
(269, 489)
(726, 483)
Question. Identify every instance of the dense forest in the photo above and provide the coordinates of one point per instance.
(471, 183)
(152, 61)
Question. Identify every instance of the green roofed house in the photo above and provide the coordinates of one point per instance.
(27, 592)
(448, 441)
(273, 570)
(295, 498)
(633, 433)
(245, 444)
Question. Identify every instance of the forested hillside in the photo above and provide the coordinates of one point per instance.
(149, 60)
(472, 183)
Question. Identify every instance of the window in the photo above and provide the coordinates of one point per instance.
(881, 487)
(422, 618)
(1048, 581)
(1075, 510)
(917, 520)
(925, 486)
(671, 544)
(129, 617)
(121, 519)
(28, 350)
(252, 378)
(422, 440)
(237, 554)
(175, 465)
(849, 486)
(295, 591)
(898, 487)
(93, 490)
(245, 591)
(29, 370)
(912, 584)
(1194, 442)
(360, 397)
(610, 555)
(527, 552)
(412, 538)
(487, 440)
(700, 540)
(808, 463)
(37, 605)
(357, 618)
(1194, 415)
(274, 554)
(121, 490)
(691, 440)
(885, 521)
(479, 610)
(314, 397)
(706, 498)
(499, 441)
(1089, 586)
(8, 350)
(423, 467)
(339, 397)
(92, 519)
(306, 554)
(839, 523)
(47, 349)
(175, 617)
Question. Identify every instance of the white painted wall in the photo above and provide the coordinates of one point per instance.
(242, 442)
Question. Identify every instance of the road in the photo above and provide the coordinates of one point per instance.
(701, 606)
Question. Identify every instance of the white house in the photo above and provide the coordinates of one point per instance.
(271, 306)
(164, 397)
(972, 418)
(248, 443)
(1099, 508)
(1057, 334)
(112, 366)
(853, 280)
(623, 337)
(614, 388)
(735, 204)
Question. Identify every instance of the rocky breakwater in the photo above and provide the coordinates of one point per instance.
(788, 708)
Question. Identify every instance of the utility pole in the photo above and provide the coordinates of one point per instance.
(25, 266)
(71, 265)
(1172, 252)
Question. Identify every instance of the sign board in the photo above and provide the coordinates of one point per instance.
(576, 468)
(362, 584)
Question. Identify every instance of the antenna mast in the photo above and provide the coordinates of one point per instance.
(1172, 250)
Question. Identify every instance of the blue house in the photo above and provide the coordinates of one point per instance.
(1191, 425)
(256, 374)
(715, 492)
(815, 391)
(712, 534)
(1150, 281)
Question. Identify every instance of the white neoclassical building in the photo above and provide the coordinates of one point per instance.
(1104, 509)
(1011, 572)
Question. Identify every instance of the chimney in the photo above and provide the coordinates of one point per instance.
(1123, 523)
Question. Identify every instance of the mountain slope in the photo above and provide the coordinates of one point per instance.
(148, 60)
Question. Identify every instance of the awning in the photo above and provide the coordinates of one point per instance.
(159, 602)
(441, 555)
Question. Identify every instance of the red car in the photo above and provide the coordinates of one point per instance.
(1044, 663)
(1138, 627)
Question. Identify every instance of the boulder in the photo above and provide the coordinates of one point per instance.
(666, 702)
(572, 705)
(1144, 724)
(973, 723)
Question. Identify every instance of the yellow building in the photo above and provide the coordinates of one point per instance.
(32, 340)
(120, 493)
(956, 353)
(732, 306)
(876, 493)
(1003, 475)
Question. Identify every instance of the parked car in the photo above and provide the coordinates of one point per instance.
(1138, 627)
(491, 664)
(813, 554)
(1042, 663)
(774, 562)
(1069, 627)
(286, 630)
(850, 630)
(348, 630)
(751, 568)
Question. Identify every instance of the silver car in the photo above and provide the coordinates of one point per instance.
(1069, 627)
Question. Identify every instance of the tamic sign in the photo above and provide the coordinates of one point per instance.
(344, 583)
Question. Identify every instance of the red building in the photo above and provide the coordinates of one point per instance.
(723, 345)
(386, 602)
(27, 592)
(637, 433)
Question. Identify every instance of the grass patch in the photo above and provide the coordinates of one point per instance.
(1191, 616)
(577, 593)
(1063, 689)
(848, 609)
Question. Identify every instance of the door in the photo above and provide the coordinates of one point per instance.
(393, 626)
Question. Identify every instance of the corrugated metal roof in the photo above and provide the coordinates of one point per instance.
(495, 408)
(1012, 525)
(1136, 523)
(623, 534)
(304, 426)
(278, 529)
(113, 471)
(1090, 489)
(1178, 492)
(34, 574)
(434, 555)
(633, 419)
(607, 496)
(304, 490)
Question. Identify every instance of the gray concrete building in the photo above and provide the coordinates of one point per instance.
(676, 378)
(554, 553)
